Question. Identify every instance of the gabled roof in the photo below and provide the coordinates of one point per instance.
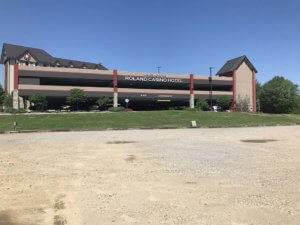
(14, 52)
(233, 64)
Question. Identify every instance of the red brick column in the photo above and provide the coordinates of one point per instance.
(115, 86)
(5, 77)
(233, 103)
(16, 76)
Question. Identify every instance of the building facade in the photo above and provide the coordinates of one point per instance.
(28, 71)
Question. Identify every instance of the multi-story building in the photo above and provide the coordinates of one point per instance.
(28, 71)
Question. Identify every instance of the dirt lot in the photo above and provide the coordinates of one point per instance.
(235, 176)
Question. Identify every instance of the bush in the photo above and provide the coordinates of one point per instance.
(40, 101)
(102, 102)
(202, 104)
(223, 102)
(128, 110)
(94, 107)
(2, 96)
(279, 96)
(14, 111)
(243, 104)
(116, 109)
(187, 108)
(8, 101)
(176, 108)
(77, 97)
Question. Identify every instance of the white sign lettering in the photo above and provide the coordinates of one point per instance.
(153, 78)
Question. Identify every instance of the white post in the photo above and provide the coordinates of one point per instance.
(115, 104)
(15, 96)
(192, 101)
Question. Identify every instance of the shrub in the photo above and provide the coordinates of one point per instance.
(202, 104)
(176, 107)
(103, 101)
(128, 110)
(40, 101)
(243, 104)
(116, 109)
(224, 102)
(2, 96)
(94, 107)
(8, 101)
(187, 108)
(13, 111)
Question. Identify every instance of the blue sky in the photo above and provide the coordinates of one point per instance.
(180, 36)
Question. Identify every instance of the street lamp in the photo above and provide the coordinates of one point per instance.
(158, 69)
(210, 82)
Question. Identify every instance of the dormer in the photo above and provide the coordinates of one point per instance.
(26, 59)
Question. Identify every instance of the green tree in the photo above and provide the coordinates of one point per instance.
(2, 96)
(224, 102)
(279, 95)
(258, 94)
(103, 101)
(40, 101)
(77, 97)
(297, 108)
(8, 100)
(202, 104)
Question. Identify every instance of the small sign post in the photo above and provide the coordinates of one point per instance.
(194, 124)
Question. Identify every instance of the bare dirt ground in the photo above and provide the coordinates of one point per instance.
(235, 176)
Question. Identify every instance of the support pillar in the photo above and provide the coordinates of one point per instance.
(15, 95)
(192, 98)
(15, 92)
(254, 90)
(115, 85)
(16, 76)
(233, 103)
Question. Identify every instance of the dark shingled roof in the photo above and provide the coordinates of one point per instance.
(234, 64)
(14, 52)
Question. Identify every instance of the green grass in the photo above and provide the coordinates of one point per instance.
(153, 119)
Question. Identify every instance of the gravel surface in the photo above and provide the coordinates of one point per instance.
(238, 176)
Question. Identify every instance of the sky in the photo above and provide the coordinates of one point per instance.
(181, 36)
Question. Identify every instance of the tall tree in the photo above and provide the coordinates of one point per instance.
(258, 93)
(2, 95)
(279, 95)
(77, 97)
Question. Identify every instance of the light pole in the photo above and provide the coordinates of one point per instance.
(158, 69)
(210, 82)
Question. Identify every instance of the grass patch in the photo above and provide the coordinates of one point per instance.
(153, 119)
